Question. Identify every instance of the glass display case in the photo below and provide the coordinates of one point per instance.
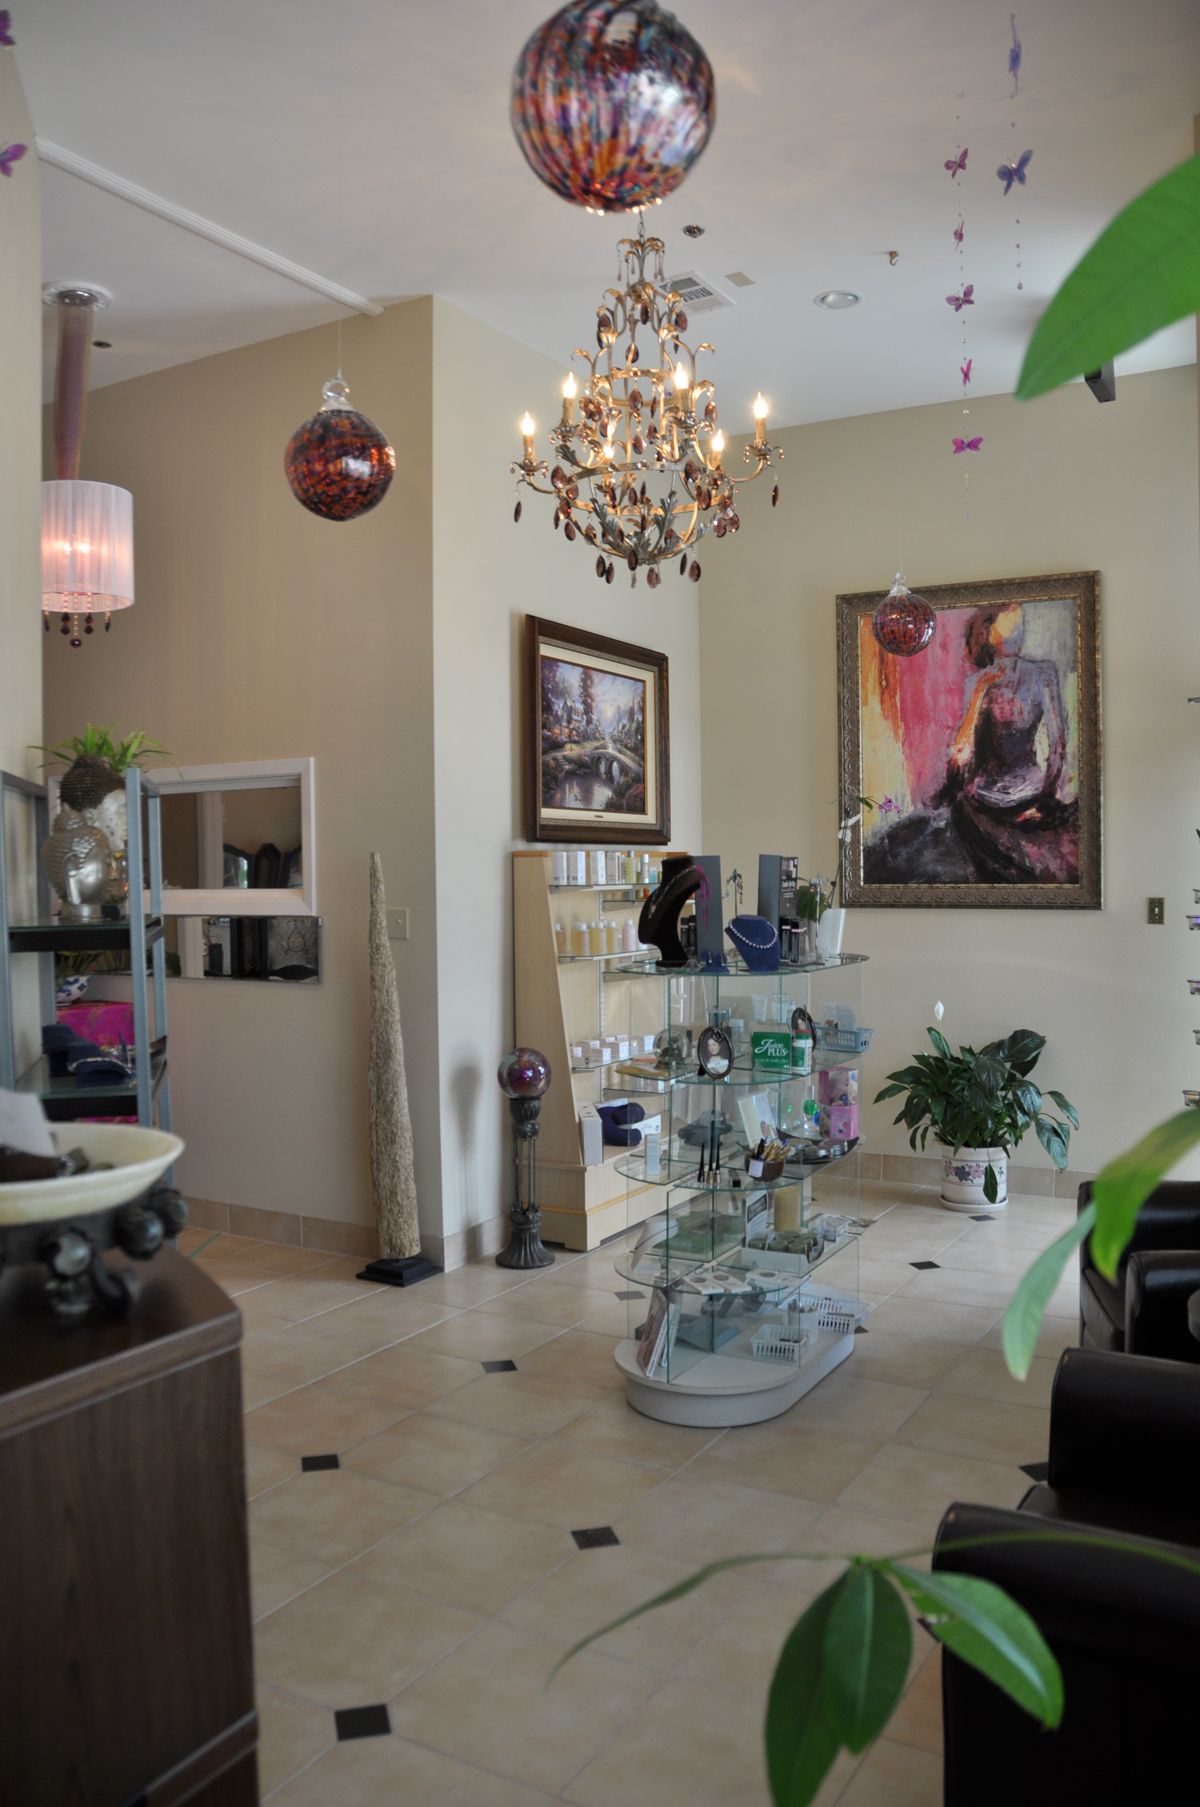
(744, 1280)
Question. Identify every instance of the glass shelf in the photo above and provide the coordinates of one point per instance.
(766, 1273)
(53, 935)
(629, 894)
(568, 959)
(750, 1078)
(651, 969)
(63, 1099)
(680, 1170)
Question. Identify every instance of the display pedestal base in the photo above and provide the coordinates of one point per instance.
(399, 1270)
(525, 1247)
(724, 1390)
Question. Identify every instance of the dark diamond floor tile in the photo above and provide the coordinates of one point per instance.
(600, 1537)
(1037, 1471)
(309, 1464)
(499, 1367)
(627, 1296)
(362, 1722)
(984, 1217)
(860, 1330)
(922, 1265)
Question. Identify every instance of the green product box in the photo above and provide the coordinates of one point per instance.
(771, 1050)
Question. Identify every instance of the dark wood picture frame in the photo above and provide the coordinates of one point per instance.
(595, 763)
(997, 842)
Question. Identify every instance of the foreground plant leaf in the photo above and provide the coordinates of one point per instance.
(1142, 273)
(868, 1643)
(801, 1735)
(670, 1594)
(1027, 1308)
(1122, 1188)
(979, 1623)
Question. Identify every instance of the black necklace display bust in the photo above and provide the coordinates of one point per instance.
(658, 925)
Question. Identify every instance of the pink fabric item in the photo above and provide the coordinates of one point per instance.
(107, 1022)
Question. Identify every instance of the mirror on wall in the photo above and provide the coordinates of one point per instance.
(245, 830)
(279, 949)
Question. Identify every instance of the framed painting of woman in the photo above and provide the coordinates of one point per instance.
(980, 754)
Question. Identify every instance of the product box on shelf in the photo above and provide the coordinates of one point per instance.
(838, 1094)
(771, 1051)
(591, 1135)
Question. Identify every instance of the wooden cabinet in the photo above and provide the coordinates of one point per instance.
(125, 1648)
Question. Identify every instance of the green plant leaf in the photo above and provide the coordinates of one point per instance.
(1054, 1138)
(889, 1091)
(867, 1646)
(1122, 1188)
(801, 1737)
(1142, 273)
(1027, 1308)
(1021, 1050)
(940, 1043)
(1068, 1110)
(981, 1625)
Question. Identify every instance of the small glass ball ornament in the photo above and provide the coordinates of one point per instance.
(339, 464)
(904, 622)
(524, 1073)
(612, 103)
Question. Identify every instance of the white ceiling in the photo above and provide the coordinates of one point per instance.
(369, 141)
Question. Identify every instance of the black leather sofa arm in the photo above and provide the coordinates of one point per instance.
(1158, 1285)
(1124, 1426)
(1169, 1219)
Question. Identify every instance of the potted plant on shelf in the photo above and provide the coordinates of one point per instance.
(815, 899)
(978, 1104)
(93, 785)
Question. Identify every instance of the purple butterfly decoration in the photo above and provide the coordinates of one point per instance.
(956, 165)
(1014, 54)
(958, 233)
(889, 806)
(1014, 172)
(965, 371)
(966, 299)
(6, 36)
(968, 445)
(12, 154)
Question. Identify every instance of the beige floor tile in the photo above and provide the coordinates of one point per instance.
(467, 1557)
(299, 1297)
(958, 1286)
(918, 1718)
(392, 1772)
(701, 1520)
(914, 1484)
(713, 1756)
(579, 1357)
(264, 1384)
(1055, 1335)
(980, 1253)
(597, 1586)
(984, 1374)
(266, 1467)
(563, 1306)
(335, 1339)
(618, 1319)
(966, 1324)
(410, 1377)
(438, 1455)
(955, 1423)
(487, 1337)
(348, 1641)
(597, 1271)
(910, 1361)
(467, 1286)
(524, 1405)
(745, 1644)
(814, 1464)
(612, 1428)
(316, 1420)
(335, 1514)
(278, 1575)
(558, 1484)
(868, 1410)
(291, 1733)
(845, 1532)
(895, 1775)
(488, 1703)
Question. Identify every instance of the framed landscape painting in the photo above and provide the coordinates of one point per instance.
(981, 754)
(596, 738)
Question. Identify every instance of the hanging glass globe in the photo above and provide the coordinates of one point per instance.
(612, 103)
(339, 464)
(523, 1073)
(903, 622)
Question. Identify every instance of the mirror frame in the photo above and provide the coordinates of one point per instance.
(247, 775)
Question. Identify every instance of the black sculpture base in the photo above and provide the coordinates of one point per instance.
(399, 1270)
(525, 1247)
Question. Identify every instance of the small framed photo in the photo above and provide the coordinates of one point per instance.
(714, 1050)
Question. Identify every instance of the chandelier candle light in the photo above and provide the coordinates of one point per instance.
(639, 470)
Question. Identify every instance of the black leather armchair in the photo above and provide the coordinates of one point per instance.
(1146, 1311)
(1124, 1628)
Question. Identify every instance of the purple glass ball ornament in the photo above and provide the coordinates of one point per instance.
(612, 103)
(339, 464)
(524, 1073)
(904, 622)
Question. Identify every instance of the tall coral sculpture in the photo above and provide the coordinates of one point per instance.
(391, 1125)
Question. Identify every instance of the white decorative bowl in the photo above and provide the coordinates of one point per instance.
(139, 1157)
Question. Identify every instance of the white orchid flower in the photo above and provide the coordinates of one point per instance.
(939, 1011)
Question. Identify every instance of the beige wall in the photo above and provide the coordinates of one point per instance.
(488, 574)
(261, 632)
(20, 506)
(1062, 484)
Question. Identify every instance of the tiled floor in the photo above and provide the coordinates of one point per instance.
(434, 1570)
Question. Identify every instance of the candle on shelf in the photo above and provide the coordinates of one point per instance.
(761, 410)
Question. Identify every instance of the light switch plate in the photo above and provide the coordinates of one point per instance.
(397, 925)
(1154, 910)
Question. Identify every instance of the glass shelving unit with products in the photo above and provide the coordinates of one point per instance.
(746, 1275)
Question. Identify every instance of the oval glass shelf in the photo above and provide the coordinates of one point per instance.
(746, 1076)
(753, 1272)
(681, 1170)
(650, 969)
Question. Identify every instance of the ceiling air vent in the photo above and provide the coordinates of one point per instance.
(700, 294)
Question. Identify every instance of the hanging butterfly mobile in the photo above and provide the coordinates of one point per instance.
(966, 298)
(6, 37)
(1014, 54)
(968, 445)
(964, 371)
(956, 165)
(10, 155)
(1015, 171)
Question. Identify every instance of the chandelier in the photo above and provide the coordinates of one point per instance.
(639, 471)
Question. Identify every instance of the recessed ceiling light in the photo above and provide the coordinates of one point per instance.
(836, 299)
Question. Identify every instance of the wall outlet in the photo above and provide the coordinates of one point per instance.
(1154, 910)
(397, 925)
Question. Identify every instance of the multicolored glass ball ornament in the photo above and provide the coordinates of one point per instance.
(523, 1074)
(903, 622)
(612, 103)
(338, 463)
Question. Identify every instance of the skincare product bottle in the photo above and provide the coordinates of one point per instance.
(629, 940)
(644, 873)
(558, 868)
(596, 868)
(560, 938)
(579, 938)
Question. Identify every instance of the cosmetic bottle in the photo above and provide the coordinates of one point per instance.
(629, 940)
(560, 938)
(579, 938)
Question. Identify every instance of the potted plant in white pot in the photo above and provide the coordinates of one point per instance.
(978, 1105)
